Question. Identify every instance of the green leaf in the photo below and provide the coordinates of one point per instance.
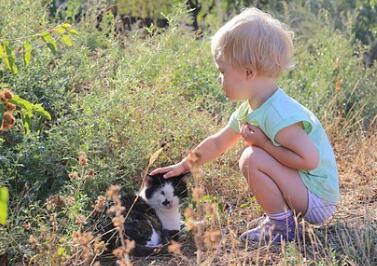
(11, 57)
(4, 198)
(66, 25)
(51, 43)
(38, 108)
(244, 205)
(69, 28)
(28, 106)
(59, 29)
(67, 40)
(26, 120)
(27, 111)
(8, 56)
(4, 85)
(17, 100)
(61, 251)
(27, 52)
(3, 56)
(73, 31)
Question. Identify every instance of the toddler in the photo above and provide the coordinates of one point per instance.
(289, 163)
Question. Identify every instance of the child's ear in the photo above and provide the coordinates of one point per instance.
(185, 177)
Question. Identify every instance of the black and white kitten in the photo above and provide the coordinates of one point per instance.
(155, 217)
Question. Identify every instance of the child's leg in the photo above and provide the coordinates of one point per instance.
(279, 190)
(276, 187)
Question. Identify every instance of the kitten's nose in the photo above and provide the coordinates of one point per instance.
(165, 202)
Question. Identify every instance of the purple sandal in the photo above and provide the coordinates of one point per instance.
(272, 231)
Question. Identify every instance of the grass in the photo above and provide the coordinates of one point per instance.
(348, 239)
(120, 99)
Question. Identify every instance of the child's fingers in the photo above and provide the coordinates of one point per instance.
(245, 130)
(170, 174)
(253, 128)
(167, 171)
(160, 170)
(155, 171)
(249, 127)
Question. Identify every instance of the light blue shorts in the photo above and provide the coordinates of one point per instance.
(319, 210)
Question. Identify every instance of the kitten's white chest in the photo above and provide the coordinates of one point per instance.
(155, 239)
(170, 219)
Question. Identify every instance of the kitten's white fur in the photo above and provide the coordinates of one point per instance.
(155, 239)
(169, 215)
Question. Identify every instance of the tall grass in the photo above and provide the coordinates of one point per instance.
(119, 99)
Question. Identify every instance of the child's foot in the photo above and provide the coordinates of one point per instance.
(271, 231)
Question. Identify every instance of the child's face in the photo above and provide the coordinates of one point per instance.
(235, 81)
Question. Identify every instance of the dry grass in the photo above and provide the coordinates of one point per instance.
(350, 238)
(221, 209)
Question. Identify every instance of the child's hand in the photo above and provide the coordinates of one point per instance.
(172, 170)
(253, 135)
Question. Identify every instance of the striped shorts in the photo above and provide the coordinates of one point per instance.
(319, 210)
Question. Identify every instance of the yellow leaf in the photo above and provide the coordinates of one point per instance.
(67, 40)
(27, 52)
(154, 156)
(4, 198)
(59, 29)
(61, 251)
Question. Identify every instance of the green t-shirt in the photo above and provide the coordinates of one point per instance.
(280, 111)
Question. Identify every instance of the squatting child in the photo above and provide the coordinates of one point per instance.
(289, 163)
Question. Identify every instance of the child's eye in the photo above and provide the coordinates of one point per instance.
(162, 192)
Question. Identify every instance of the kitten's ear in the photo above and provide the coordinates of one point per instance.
(185, 177)
(147, 180)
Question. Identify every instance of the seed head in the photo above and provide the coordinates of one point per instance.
(8, 94)
(212, 238)
(175, 248)
(113, 190)
(99, 246)
(83, 160)
(8, 121)
(118, 223)
(130, 245)
(197, 193)
(33, 241)
(80, 219)
(73, 176)
(10, 106)
(100, 204)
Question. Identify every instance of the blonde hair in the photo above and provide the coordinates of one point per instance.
(255, 40)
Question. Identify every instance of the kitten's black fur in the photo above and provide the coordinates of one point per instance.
(143, 220)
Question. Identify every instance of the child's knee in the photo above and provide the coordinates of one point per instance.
(249, 160)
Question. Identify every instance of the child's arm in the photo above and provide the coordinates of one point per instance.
(209, 149)
(297, 150)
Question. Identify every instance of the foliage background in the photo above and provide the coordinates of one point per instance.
(119, 95)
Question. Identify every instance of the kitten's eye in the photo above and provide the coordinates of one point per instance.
(163, 193)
